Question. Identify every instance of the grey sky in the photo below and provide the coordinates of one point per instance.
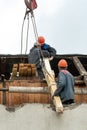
(63, 23)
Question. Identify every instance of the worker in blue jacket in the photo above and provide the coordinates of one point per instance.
(40, 50)
(65, 83)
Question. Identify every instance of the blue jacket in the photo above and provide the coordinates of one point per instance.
(65, 85)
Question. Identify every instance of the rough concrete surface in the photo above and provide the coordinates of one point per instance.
(42, 117)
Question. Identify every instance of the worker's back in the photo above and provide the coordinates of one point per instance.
(67, 81)
(34, 56)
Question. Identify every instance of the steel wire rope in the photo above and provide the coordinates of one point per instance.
(22, 40)
(26, 12)
(34, 25)
(22, 34)
(27, 34)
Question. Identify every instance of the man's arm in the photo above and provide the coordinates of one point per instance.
(52, 51)
(60, 84)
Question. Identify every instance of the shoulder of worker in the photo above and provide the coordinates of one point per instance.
(66, 72)
(33, 48)
(62, 74)
(45, 46)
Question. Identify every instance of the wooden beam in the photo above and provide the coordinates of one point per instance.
(81, 91)
(21, 89)
(50, 78)
(80, 68)
(36, 90)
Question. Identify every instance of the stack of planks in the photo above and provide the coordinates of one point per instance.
(23, 69)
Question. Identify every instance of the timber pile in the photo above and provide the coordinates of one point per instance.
(23, 70)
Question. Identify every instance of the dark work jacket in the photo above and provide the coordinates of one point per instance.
(48, 51)
(35, 54)
(65, 85)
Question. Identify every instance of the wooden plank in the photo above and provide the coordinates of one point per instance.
(50, 78)
(81, 91)
(80, 68)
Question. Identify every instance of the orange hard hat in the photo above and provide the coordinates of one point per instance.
(62, 63)
(41, 40)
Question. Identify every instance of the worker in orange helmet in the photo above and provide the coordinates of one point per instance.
(35, 54)
(47, 50)
(65, 83)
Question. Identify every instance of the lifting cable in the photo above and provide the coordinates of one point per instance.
(30, 6)
(27, 32)
(22, 35)
(34, 25)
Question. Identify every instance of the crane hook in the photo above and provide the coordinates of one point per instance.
(31, 4)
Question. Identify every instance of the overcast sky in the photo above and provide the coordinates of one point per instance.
(63, 23)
